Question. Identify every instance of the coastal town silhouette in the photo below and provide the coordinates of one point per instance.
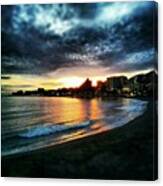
(141, 85)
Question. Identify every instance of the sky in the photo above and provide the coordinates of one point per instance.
(60, 45)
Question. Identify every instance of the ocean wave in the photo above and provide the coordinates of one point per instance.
(134, 107)
(46, 129)
(128, 114)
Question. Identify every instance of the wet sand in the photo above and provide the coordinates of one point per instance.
(126, 152)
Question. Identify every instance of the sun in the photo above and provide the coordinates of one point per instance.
(72, 81)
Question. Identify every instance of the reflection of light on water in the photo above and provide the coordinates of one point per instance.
(102, 115)
(82, 110)
(62, 110)
(74, 135)
(100, 126)
(94, 129)
(96, 126)
(69, 109)
(79, 134)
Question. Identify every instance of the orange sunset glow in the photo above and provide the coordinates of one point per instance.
(59, 80)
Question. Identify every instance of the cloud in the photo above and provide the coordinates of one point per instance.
(39, 39)
(56, 19)
(133, 61)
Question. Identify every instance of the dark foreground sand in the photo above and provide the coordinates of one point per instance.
(123, 153)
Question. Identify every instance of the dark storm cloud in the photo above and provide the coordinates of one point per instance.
(37, 39)
(86, 11)
(133, 61)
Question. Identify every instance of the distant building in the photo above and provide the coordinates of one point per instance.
(144, 84)
(116, 82)
(41, 91)
(18, 93)
(86, 85)
(101, 89)
(86, 90)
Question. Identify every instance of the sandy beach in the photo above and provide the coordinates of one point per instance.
(123, 153)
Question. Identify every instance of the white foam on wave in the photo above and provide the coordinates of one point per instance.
(128, 114)
(135, 106)
(46, 129)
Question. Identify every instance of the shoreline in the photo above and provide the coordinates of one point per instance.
(85, 157)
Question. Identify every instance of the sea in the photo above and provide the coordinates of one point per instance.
(32, 123)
